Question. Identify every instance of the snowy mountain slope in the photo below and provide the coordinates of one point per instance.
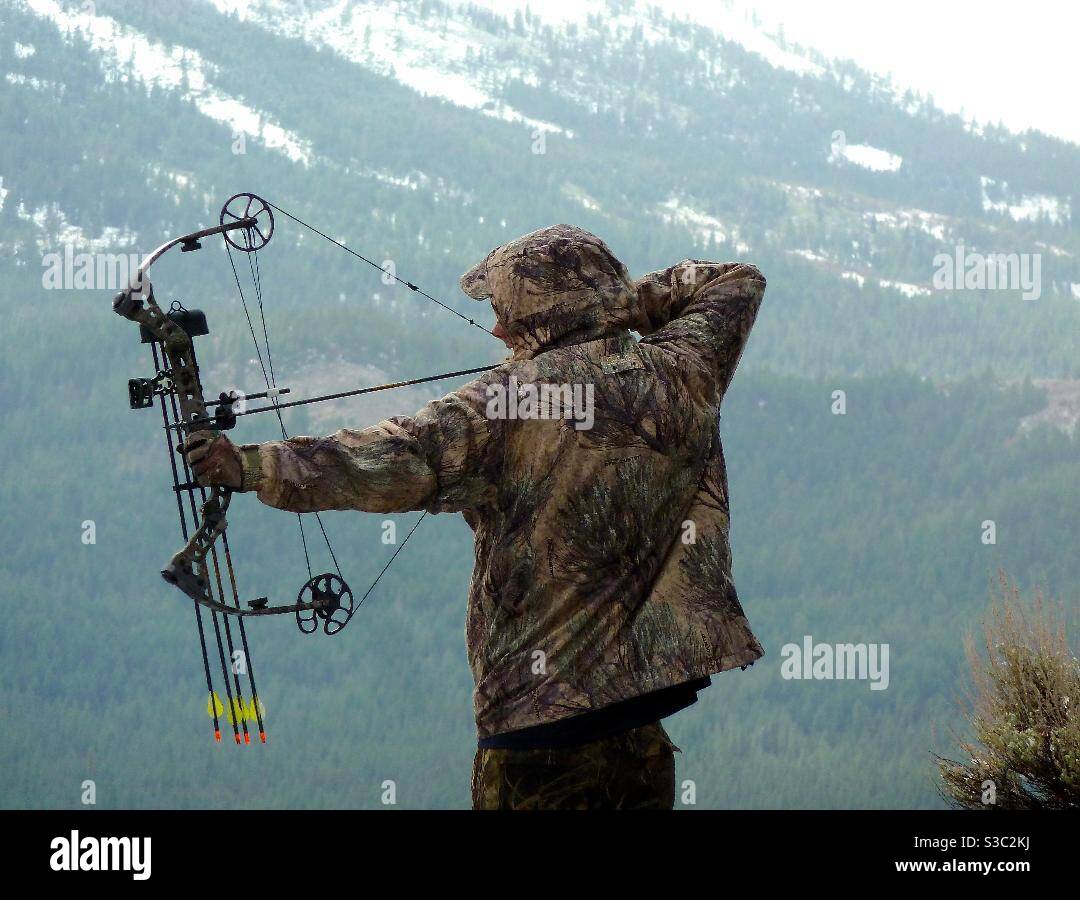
(461, 125)
(460, 62)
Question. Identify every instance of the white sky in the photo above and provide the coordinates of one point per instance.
(1013, 62)
(1008, 61)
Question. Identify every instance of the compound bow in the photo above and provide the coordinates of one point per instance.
(246, 224)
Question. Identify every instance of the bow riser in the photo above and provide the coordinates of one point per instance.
(187, 569)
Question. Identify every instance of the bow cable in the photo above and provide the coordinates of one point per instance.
(386, 272)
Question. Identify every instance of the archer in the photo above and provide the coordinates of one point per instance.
(602, 598)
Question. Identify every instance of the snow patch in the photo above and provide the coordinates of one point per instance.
(1062, 410)
(905, 288)
(56, 231)
(38, 84)
(738, 26)
(933, 224)
(438, 188)
(1054, 249)
(704, 226)
(576, 194)
(800, 191)
(1029, 207)
(872, 158)
(809, 254)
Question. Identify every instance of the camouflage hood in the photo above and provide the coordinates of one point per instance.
(557, 286)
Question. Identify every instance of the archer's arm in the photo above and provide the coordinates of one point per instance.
(702, 312)
(442, 459)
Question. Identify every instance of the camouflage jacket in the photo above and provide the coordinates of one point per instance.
(603, 568)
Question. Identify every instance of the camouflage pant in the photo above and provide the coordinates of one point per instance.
(632, 770)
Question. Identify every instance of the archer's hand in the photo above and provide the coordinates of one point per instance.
(214, 460)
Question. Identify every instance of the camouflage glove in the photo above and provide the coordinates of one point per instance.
(214, 460)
